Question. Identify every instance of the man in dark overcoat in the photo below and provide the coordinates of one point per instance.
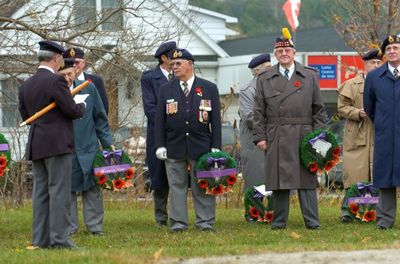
(89, 130)
(80, 64)
(187, 125)
(150, 82)
(287, 106)
(50, 146)
(381, 103)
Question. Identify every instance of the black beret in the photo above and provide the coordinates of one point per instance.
(76, 53)
(183, 54)
(51, 46)
(374, 54)
(283, 43)
(391, 39)
(260, 59)
(165, 48)
(68, 63)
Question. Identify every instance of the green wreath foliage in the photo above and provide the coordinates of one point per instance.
(113, 181)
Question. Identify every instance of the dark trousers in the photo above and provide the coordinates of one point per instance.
(51, 202)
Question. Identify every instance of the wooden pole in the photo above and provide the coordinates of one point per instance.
(52, 105)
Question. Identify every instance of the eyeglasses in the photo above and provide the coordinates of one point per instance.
(177, 63)
(286, 50)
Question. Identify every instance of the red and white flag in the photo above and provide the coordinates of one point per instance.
(292, 11)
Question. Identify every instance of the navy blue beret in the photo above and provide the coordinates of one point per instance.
(76, 53)
(165, 48)
(182, 54)
(51, 46)
(260, 59)
(391, 39)
(374, 54)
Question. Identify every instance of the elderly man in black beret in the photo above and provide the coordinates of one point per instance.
(359, 131)
(80, 64)
(252, 158)
(381, 103)
(287, 106)
(150, 82)
(50, 146)
(187, 125)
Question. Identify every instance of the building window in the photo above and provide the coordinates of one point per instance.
(9, 103)
(86, 14)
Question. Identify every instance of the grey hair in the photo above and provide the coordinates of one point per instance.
(45, 55)
(255, 71)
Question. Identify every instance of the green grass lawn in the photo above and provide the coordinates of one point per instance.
(131, 236)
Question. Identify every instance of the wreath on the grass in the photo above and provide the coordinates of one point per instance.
(5, 155)
(319, 151)
(216, 172)
(254, 205)
(361, 200)
(112, 170)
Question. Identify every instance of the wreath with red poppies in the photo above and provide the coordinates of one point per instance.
(257, 206)
(113, 170)
(360, 201)
(5, 155)
(319, 151)
(216, 172)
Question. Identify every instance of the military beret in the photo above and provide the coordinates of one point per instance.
(51, 46)
(182, 54)
(68, 63)
(260, 59)
(374, 54)
(76, 53)
(165, 48)
(391, 39)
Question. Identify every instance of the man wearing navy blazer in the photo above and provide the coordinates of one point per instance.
(50, 146)
(150, 82)
(80, 63)
(187, 125)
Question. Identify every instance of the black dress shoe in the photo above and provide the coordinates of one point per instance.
(177, 230)
(278, 227)
(208, 229)
(345, 219)
(313, 227)
(379, 227)
(250, 220)
(98, 233)
(161, 224)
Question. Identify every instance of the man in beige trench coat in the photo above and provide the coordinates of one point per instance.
(287, 106)
(358, 137)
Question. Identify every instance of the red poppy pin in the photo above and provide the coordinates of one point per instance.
(198, 91)
(297, 84)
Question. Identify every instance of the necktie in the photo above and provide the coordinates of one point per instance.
(396, 73)
(170, 75)
(186, 88)
(287, 74)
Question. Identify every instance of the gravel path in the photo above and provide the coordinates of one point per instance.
(389, 256)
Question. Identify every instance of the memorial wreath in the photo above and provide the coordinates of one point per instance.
(361, 200)
(113, 170)
(5, 155)
(319, 151)
(255, 206)
(216, 172)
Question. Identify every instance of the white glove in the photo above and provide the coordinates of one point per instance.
(161, 153)
(80, 98)
(215, 150)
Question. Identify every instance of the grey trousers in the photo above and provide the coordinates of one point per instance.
(93, 210)
(387, 207)
(204, 205)
(160, 205)
(51, 202)
(308, 204)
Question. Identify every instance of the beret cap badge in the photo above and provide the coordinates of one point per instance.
(177, 54)
(72, 53)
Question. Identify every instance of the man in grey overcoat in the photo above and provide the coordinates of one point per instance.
(381, 97)
(88, 131)
(252, 158)
(287, 106)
